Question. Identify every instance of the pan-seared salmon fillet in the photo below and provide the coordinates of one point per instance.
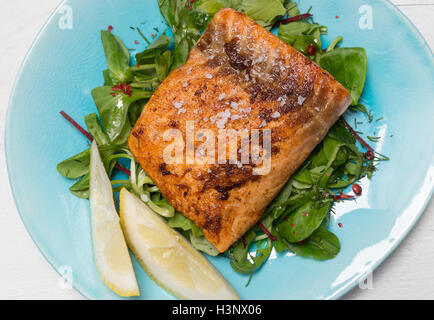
(239, 76)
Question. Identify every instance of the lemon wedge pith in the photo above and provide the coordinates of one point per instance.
(168, 258)
(111, 254)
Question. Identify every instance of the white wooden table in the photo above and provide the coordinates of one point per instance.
(24, 274)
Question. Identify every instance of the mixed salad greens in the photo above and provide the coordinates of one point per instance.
(296, 220)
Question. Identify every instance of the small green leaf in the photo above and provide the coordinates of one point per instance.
(179, 221)
(107, 78)
(95, 129)
(291, 8)
(264, 12)
(113, 110)
(155, 49)
(202, 244)
(78, 165)
(81, 187)
(242, 261)
(162, 65)
(301, 223)
(348, 66)
(211, 7)
(116, 56)
(321, 245)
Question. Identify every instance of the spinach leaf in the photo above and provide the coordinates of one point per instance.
(321, 245)
(186, 25)
(125, 132)
(242, 261)
(117, 57)
(303, 176)
(162, 65)
(302, 34)
(107, 78)
(291, 8)
(95, 129)
(211, 7)
(156, 48)
(135, 110)
(348, 66)
(277, 207)
(179, 221)
(264, 12)
(78, 165)
(113, 110)
(350, 172)
(81, 187)
(280, 244)
(197, 239)
(202, 244)
(82, 194)
(341, 133)
(301, 223)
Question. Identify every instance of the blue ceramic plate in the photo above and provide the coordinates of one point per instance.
(64, 64)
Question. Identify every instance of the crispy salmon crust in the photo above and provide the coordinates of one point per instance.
(239, 76)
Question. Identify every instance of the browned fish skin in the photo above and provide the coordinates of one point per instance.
(238, 66)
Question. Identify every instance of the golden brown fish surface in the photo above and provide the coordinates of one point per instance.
(239, 76)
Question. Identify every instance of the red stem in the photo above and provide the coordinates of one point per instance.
(76, 125)
(268, 233)
(244, 242)
(343, 196)
(292, 19)
(354, 133)
(123, 169)
(87, 135)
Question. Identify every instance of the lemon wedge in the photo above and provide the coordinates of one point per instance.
(110, 249)
(168, 258)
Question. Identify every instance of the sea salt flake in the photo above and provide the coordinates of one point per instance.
(301, 100)
(234, 105)
(276, 115)
(246, 110)
(208, 76)
(179, 104)
(223, 118)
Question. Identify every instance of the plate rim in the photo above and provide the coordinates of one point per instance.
(336, 294)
